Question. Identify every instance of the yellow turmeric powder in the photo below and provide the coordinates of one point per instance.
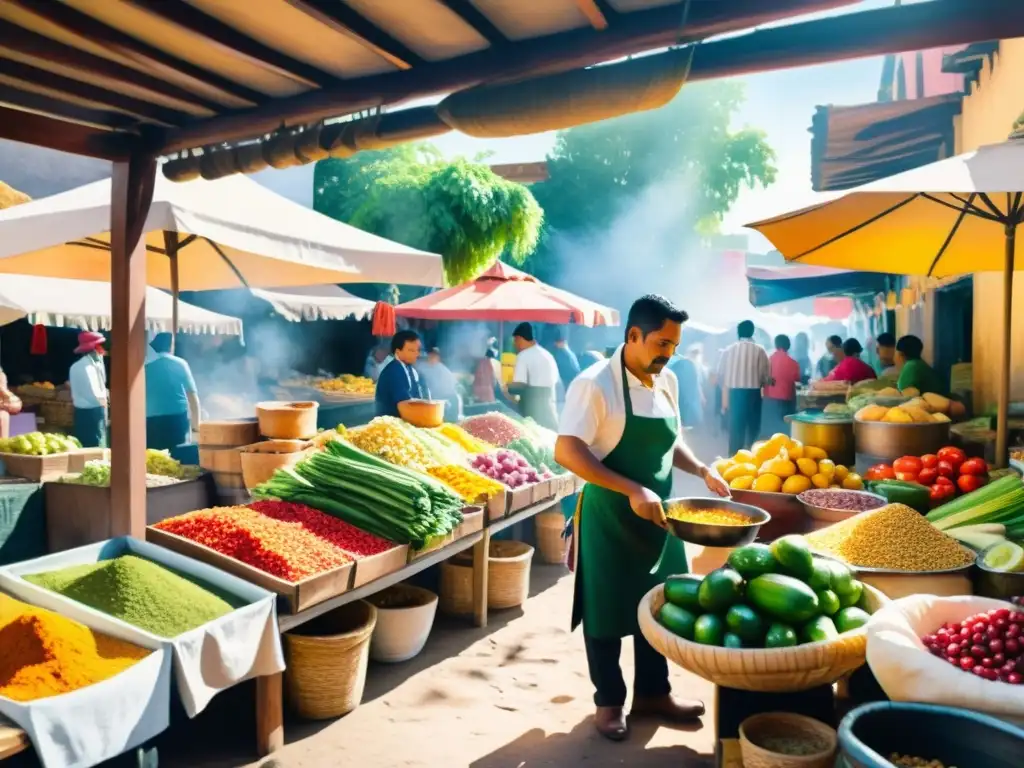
(44, 654)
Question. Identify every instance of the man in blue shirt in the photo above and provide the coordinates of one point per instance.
(399, 381)
(172, 401)
(565, 358)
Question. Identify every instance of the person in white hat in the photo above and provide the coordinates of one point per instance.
(88, 380)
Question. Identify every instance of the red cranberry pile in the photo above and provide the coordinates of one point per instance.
(991, 645)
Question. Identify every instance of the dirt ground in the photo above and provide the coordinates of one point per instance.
(512, 695)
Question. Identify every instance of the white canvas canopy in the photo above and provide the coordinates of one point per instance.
(86, 304)
(316, 302)
(229, 233)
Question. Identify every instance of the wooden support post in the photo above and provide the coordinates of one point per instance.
(131, 195)
(481, 550)
(171, 247)
(269, 713)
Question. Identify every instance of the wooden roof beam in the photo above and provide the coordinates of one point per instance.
(74, 21)
(52, 133)
(234, 42)
(43, 49)
(142, 110)
(472, 15)
(341, 18)
(73, 112)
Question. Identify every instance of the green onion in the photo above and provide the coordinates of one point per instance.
(1001, 501)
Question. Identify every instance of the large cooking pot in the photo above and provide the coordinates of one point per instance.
(888, 441)
(834, 437)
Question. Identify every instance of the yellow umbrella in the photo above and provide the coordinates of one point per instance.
(954, 217)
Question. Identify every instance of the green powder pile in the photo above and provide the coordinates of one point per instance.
(140, 592)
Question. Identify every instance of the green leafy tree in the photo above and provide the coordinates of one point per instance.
(598, 171)
(456, 208)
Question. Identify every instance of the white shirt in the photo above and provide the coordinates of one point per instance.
(744, 365)
(595, 411)
(536, 367)
(88, 380)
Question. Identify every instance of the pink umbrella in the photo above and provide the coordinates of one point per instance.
(504, 293)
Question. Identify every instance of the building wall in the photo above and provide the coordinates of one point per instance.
(996, 100)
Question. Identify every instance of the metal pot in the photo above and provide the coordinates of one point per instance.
(890, 441)
(833, 437)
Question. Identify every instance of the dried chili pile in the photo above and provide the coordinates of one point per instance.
(286, 549)
(341, 534)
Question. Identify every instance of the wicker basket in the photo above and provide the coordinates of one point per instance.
(57, 413)
(550, 543)
(282, 420)
(759, 669)
(327, 660)
(755, 729)
(508, 578)
(260, 460)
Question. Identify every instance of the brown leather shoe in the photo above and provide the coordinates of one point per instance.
(611, 723)
(668, 709)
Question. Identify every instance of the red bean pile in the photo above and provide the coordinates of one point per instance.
(343, 535)
(990, 645)
(494, 428)
(851, 501)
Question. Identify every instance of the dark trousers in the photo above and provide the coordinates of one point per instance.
(650, 678)
(744, 418)
(166, 432)
(91, 427)
(773, 416)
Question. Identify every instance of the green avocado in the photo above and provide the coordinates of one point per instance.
(780, 636)
(709, 630)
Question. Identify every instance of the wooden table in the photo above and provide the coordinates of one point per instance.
(269, 689)
(13, 740)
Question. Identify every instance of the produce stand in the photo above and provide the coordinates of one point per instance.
(351, 414)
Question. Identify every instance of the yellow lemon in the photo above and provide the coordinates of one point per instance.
(743, 457)
(770, 449)
(841, 473)
(722, 465)
(769, 483)
(796, 484)
(811, 452)
(808, 467)
(820, 481)
(739, 470)
(796, 450)
(827, 468)
(742, 483)
(853, 482)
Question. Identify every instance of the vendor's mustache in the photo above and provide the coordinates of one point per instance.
(658, 361)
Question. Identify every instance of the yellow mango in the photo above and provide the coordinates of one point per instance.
(888, 392)
(808, 467)
(815, 453)
(827, 467)
(940, 417)
(937, 402)
(911, 392)
(820, 481)
(743, 456)
(721, 465)
(781, 467)
(853, 482)
(919, 415)
(770, 449)
(872, 413)
(742, 483)
(917, 402)
(898, 416)
(841, 473)
(739, 470)
(796, 450)
(796, 484)
(769, 483)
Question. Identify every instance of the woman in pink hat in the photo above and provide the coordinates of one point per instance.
(88, 380)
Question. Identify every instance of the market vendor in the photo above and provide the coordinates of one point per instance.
(915, 372)
(172, 400)
(851, 368)
(399, 380)
(88, 380)
(620, 432)
(535, 378)
(885, 348)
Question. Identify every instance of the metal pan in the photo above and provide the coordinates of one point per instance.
(717, 535)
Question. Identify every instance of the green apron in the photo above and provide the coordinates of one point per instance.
(538, 403)
(620, 556)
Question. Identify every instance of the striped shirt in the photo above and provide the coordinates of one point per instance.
(744, 365)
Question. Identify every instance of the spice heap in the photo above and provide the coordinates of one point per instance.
(140, 592)
(494, 428)
(471, 486)
(283, 549)
(343, 535)
(894, 537)
(707, 516)
(462, 438)
(43, 654)
(388, 439)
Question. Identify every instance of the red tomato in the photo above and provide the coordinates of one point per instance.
(929, 461)
(974, 467)
(938, 493)
(943, 480)
(928, 476)
(968, 483)
(880, 472)
(907, 477)
(945, 469)
(907, 464)
(953, 455)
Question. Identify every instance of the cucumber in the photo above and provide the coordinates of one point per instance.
(842, 578)
(821, 578)
(682, 591)
(732, 641)
(709, 630)
(819, 630)
(783, 597)
(678, 621)
(743, 621)
(852, 596)
(794, 556)
(753, 560)
(780, 636)
(720, 589)
(828, 602)
(851, 618)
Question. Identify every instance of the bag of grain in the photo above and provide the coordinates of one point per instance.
(908, 672)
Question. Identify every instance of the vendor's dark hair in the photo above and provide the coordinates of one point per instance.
(835, 341)
(852, 347)
(401, 338)
(886, 340)
(161, 343)
(782, 342)
(910, 347)
(650, 312)
(524, 331)
(745, 330)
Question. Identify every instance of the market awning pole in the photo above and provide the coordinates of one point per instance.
(1003, 413)
(171, 247)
